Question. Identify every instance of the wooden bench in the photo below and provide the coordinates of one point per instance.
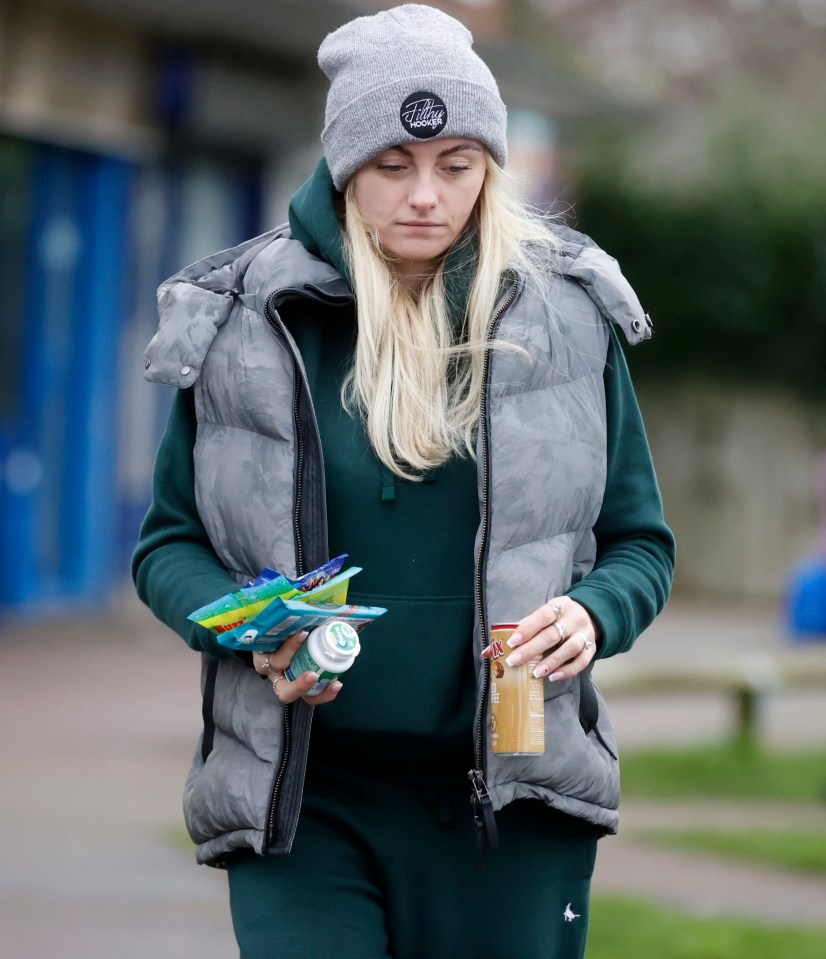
(746, 679)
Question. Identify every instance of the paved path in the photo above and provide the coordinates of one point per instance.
(98, 719)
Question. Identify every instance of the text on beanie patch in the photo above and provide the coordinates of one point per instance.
(423, 115)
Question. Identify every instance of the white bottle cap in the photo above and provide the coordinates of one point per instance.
(339, 641)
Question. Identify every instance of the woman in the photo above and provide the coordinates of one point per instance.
(466, 430)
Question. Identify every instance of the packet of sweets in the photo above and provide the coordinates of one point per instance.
(241, 611)
(244, 604)
(283, 617)
(317, 577)
(333, 591)
(241, 600)
(264, 576)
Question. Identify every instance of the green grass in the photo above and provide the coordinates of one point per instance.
(800, 850)
(727, 770)
(628, 929)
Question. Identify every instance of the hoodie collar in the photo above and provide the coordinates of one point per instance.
(314, 221)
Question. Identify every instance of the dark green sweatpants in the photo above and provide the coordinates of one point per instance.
(381, 870)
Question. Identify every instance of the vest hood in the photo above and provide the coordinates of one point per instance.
(196, 302)
(582, 260)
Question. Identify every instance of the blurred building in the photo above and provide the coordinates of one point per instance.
(128, 148)
(135, 137)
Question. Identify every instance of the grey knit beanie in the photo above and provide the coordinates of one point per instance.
(404, 75)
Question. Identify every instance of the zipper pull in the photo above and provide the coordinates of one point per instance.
(483, 814)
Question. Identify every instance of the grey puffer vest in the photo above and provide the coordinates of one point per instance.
(261, 497)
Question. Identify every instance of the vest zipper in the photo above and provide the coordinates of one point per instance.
(479, 795)
(299, 476)
(282, 769)
(276, 325)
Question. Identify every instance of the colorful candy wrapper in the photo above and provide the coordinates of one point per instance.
(286, 616)
(241, 606)
(265, 576)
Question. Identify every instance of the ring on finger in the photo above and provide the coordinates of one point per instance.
(562, 629)
(586, 644)
(265, 664)
(275, 681)
(557, 609)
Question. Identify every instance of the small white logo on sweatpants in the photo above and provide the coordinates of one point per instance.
(569, 915)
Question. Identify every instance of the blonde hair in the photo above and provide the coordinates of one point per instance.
(415, 380)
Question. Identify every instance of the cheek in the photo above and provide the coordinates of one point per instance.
(371, 200)
(362, 197)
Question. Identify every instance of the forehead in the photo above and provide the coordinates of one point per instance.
(434, 149)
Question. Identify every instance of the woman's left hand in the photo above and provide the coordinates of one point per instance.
(561, 634)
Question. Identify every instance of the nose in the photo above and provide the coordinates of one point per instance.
(423, 193)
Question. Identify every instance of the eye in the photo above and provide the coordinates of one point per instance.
(457, 169)
(390, 167)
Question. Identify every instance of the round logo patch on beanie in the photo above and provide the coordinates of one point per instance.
(423, 115)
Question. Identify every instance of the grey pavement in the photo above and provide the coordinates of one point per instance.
(98, 719)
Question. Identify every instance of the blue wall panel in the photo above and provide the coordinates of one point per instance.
(58, 514)
(100, 317)
(89, 240)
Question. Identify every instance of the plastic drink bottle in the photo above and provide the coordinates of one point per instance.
(329, 650)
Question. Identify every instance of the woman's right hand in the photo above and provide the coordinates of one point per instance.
(272, 665)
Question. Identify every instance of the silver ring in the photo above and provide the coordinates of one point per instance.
(556, 608)
(561, 629)
(588, 644)
(275, 681)
(266, 664)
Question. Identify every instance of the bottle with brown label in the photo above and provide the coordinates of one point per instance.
(517, 701)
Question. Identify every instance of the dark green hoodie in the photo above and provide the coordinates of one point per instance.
(410, 695)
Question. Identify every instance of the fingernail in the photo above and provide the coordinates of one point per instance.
(555, 676)
(540, 671)
(514, 659)
(515, 640)
(336, 686)
(311, 678)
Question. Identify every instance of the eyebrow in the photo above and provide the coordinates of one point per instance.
(460, 147)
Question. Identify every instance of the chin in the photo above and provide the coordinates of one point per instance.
(426, 254)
